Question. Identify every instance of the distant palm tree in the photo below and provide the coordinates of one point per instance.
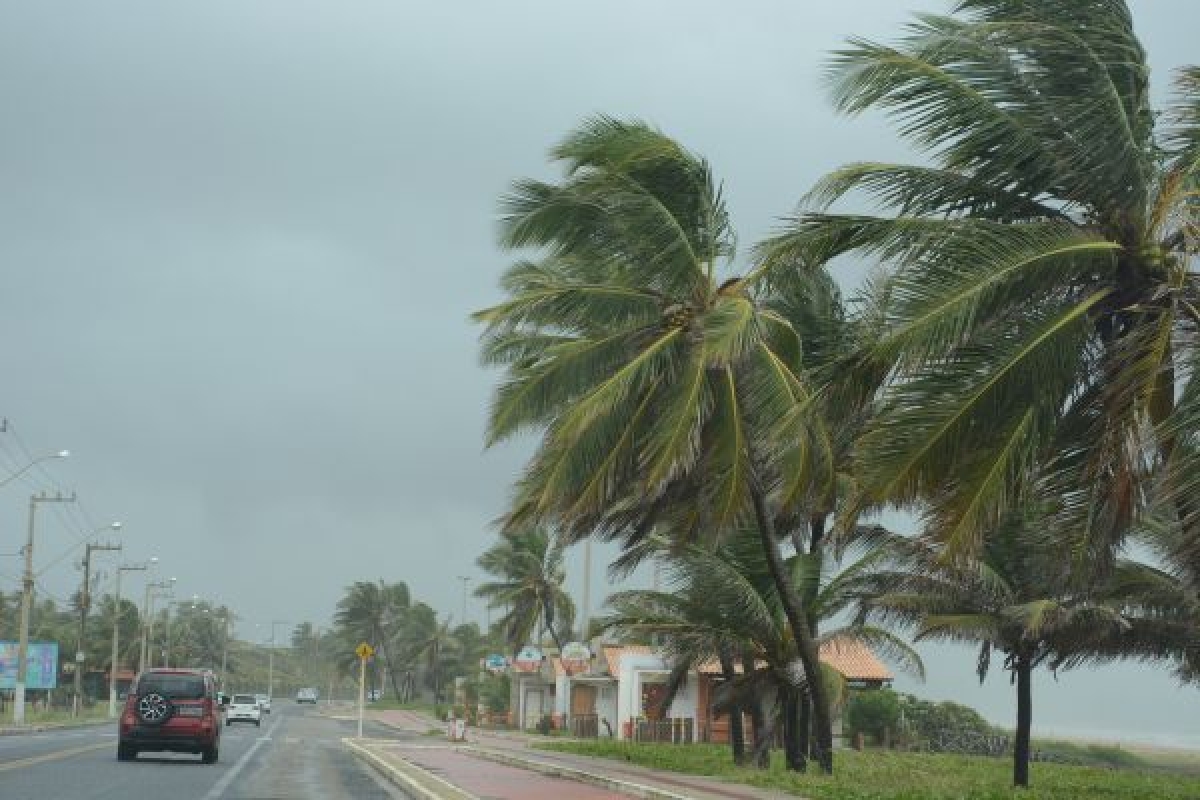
(1038, 308)
(528, 573)
(657, 376)
(373, 612)
(1016, 597)
(429, 645)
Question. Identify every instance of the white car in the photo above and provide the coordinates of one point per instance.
(243, 708)
(264, 702)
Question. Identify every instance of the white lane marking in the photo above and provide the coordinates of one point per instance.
(219, 788)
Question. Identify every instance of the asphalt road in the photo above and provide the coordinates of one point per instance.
(296, 754)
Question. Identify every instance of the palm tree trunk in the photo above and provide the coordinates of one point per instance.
(793, 748)
(548, 616)
(737, 733)
(761, 756)
(805, 642)
(804, 724)
(1024, 670)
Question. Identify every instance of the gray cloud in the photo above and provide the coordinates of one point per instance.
(240, 242)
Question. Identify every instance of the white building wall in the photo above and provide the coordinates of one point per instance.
(638, 669)
(606, 709)
(562, 695)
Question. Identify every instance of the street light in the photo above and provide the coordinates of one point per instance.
(27, 600)
(224, 614)
(85, 601)
(271, 659)
(34, 463)
(148, 621)
(116, 634)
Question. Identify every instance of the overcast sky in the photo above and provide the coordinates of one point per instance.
(240, 242)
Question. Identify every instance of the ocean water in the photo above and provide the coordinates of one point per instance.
(1185, 741)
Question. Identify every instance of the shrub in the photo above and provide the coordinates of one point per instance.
(949, 727)
(872, 712)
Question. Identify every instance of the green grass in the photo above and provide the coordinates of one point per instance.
(64, 718)
(883, 775)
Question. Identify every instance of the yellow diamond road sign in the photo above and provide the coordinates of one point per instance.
(364, 651)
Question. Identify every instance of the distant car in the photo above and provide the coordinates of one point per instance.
(374, 694)
(171, 709)
(264, 702)
(307, 696)
(244, 708)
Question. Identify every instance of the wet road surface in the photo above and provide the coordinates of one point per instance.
(296, 754)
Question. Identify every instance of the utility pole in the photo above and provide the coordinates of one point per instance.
(224, 649)
(271, 660)
(85, 602)
(27, 603)
(114, 661)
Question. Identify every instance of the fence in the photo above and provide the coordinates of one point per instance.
(676, 730)
(585, 726)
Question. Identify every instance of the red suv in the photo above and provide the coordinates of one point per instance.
(171, 709)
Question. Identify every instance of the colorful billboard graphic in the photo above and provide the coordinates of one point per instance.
(41, 671)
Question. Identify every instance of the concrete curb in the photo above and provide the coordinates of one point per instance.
(630, 788)
(54, 726)
(410, 778)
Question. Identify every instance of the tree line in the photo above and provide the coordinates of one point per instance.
(1019, 370)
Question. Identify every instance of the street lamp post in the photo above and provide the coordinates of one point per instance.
(271, 659)
(116, 635)
(27, 601)
(148, 621)
(85, 601)
(224, 648)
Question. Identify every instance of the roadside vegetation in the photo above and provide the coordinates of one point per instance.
(1021, 372)
(890, 775)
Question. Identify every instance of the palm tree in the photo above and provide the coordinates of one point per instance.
(656, 376)
(529, 572)
(372, 612)
(1018, 597)
(1038, 303)
(430, 645)
(723, 602)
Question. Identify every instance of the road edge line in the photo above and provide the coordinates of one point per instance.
(639, 790)
(406, 782)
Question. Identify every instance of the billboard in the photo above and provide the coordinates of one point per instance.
(41, 671)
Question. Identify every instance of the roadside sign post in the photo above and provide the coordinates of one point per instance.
(363, 651)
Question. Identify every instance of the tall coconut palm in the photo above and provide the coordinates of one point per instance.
(528, 573)
(372, 612)
(656, 375)
(1017, 597)
(1039, 295)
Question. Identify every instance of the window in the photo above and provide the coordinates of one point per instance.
(174, 687)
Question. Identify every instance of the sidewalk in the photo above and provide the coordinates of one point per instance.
(505, 764)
